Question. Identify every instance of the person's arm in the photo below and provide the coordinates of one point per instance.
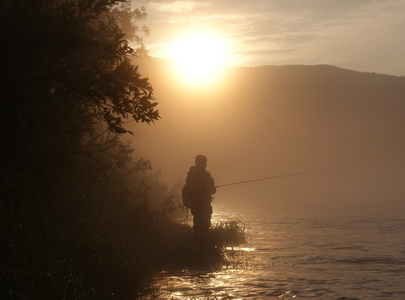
(212, 188)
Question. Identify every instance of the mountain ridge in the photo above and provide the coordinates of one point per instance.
(284, 119)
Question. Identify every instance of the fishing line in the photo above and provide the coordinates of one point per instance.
(267, 178)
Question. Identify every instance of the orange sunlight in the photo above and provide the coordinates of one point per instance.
(199, 58)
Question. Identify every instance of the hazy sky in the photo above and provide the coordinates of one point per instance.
(363, 35)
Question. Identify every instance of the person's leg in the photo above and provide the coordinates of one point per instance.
(205, 219)
(197, 221)
(202, 220)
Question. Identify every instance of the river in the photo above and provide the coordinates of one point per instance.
(339, 255)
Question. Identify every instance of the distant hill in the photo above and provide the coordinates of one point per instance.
(270, 120)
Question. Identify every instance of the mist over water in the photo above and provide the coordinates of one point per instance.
(305, 255)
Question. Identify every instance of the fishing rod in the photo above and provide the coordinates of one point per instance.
(267, 178)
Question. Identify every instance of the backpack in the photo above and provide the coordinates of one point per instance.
(187, 196)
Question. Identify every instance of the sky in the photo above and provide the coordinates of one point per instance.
(361, 35)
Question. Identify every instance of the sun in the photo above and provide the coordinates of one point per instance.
(198, 58)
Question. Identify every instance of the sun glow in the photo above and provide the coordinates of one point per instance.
(198, 58)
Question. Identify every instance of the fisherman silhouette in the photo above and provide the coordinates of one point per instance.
(197, 195)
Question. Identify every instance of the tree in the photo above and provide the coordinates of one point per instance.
(65, 71)
(66, 67)
(73, 54)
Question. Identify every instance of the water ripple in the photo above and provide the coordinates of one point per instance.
(323, 257)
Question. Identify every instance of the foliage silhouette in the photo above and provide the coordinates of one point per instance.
(76, 218)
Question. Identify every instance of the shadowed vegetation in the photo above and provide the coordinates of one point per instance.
(77, 216)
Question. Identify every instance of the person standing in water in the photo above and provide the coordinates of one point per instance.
(197, 195)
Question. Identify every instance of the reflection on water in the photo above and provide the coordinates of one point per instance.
(339, 256)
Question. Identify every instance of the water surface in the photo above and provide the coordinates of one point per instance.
(340, 255)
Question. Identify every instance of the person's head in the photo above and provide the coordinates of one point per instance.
(201, 161)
